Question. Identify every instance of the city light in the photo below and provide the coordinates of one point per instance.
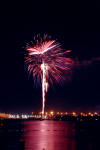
(52, 115)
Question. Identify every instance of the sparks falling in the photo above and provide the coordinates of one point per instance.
(46, 60)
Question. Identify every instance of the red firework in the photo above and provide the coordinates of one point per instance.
(52, 55)
(46, 60)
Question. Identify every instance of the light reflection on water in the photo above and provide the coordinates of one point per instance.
(49, 135)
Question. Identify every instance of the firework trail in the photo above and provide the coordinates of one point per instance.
(46, 60)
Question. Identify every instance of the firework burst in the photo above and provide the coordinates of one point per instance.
(46, 60)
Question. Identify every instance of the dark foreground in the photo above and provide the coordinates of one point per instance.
(49, 135)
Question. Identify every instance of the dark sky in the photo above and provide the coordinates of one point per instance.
(76, 26)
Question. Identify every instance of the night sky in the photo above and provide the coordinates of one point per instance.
(76, 26)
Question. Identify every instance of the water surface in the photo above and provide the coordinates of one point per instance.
(47, 135)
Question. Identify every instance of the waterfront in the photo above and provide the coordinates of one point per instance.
(49, 135)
